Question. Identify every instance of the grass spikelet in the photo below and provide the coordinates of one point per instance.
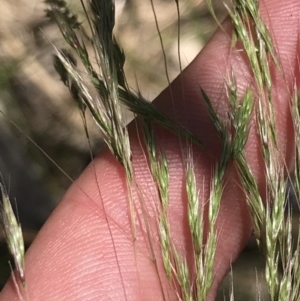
(13, 234)
(159, 170)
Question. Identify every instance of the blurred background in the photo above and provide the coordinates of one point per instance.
(37, 115)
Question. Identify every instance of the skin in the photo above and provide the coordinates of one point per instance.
(86, 250)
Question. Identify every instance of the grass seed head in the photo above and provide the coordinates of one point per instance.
(13, 234)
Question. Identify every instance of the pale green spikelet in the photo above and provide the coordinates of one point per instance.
(13, 234)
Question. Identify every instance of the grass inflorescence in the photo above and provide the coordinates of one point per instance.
(14, 238)
(104, 91)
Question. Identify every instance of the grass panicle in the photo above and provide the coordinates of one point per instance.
(272, 226)
(104, 91)
(268, 217)
(106, 108)
(112, 88)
